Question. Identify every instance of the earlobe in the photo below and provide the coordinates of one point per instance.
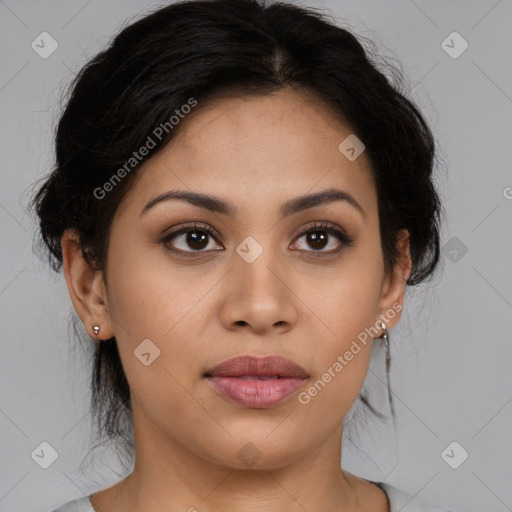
(86, 286)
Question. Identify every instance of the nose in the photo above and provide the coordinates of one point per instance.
(260, 296)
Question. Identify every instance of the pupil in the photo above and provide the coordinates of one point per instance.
(312, 237)
(197, 242)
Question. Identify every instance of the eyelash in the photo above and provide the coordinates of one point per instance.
(343, 238)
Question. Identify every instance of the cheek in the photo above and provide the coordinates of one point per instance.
(346, 302)
(341, 356)
(148, 301)
(146, 297)
(348, 310)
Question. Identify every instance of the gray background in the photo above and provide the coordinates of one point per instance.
(452, 349)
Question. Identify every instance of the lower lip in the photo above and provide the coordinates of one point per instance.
(256, 394)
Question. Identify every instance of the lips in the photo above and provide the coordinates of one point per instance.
(256, 382)
(257, 368)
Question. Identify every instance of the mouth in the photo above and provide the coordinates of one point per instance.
(256, 382)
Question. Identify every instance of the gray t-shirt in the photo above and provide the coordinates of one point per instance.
(399, 502)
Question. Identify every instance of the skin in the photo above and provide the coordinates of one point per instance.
(256, 152)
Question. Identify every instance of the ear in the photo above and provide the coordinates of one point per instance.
(393, 288)
(86, 287)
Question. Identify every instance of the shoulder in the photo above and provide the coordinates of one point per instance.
(403, 502)
(82, 504)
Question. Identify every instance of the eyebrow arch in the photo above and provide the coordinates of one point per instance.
(292, 206)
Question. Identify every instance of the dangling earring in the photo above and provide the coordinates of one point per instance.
(385, 337)
(96, 329)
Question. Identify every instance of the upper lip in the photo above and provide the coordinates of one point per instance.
(266, 366)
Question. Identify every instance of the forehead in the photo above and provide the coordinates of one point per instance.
(255, 148)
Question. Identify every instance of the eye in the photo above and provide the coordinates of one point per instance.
(195, 236)
(318, 237)
(200, 237)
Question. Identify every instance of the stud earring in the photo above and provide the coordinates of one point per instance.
(96, 329)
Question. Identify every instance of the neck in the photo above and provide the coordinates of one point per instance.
(253, 479)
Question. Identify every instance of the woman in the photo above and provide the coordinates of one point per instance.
(239, 201)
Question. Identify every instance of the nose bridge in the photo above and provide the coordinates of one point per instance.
(256, 263)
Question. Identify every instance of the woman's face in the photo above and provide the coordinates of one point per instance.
(258, 286)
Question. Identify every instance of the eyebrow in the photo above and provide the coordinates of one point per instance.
(215, 204)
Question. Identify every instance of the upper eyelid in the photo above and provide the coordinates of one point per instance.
(190, 227)
(319, 224)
